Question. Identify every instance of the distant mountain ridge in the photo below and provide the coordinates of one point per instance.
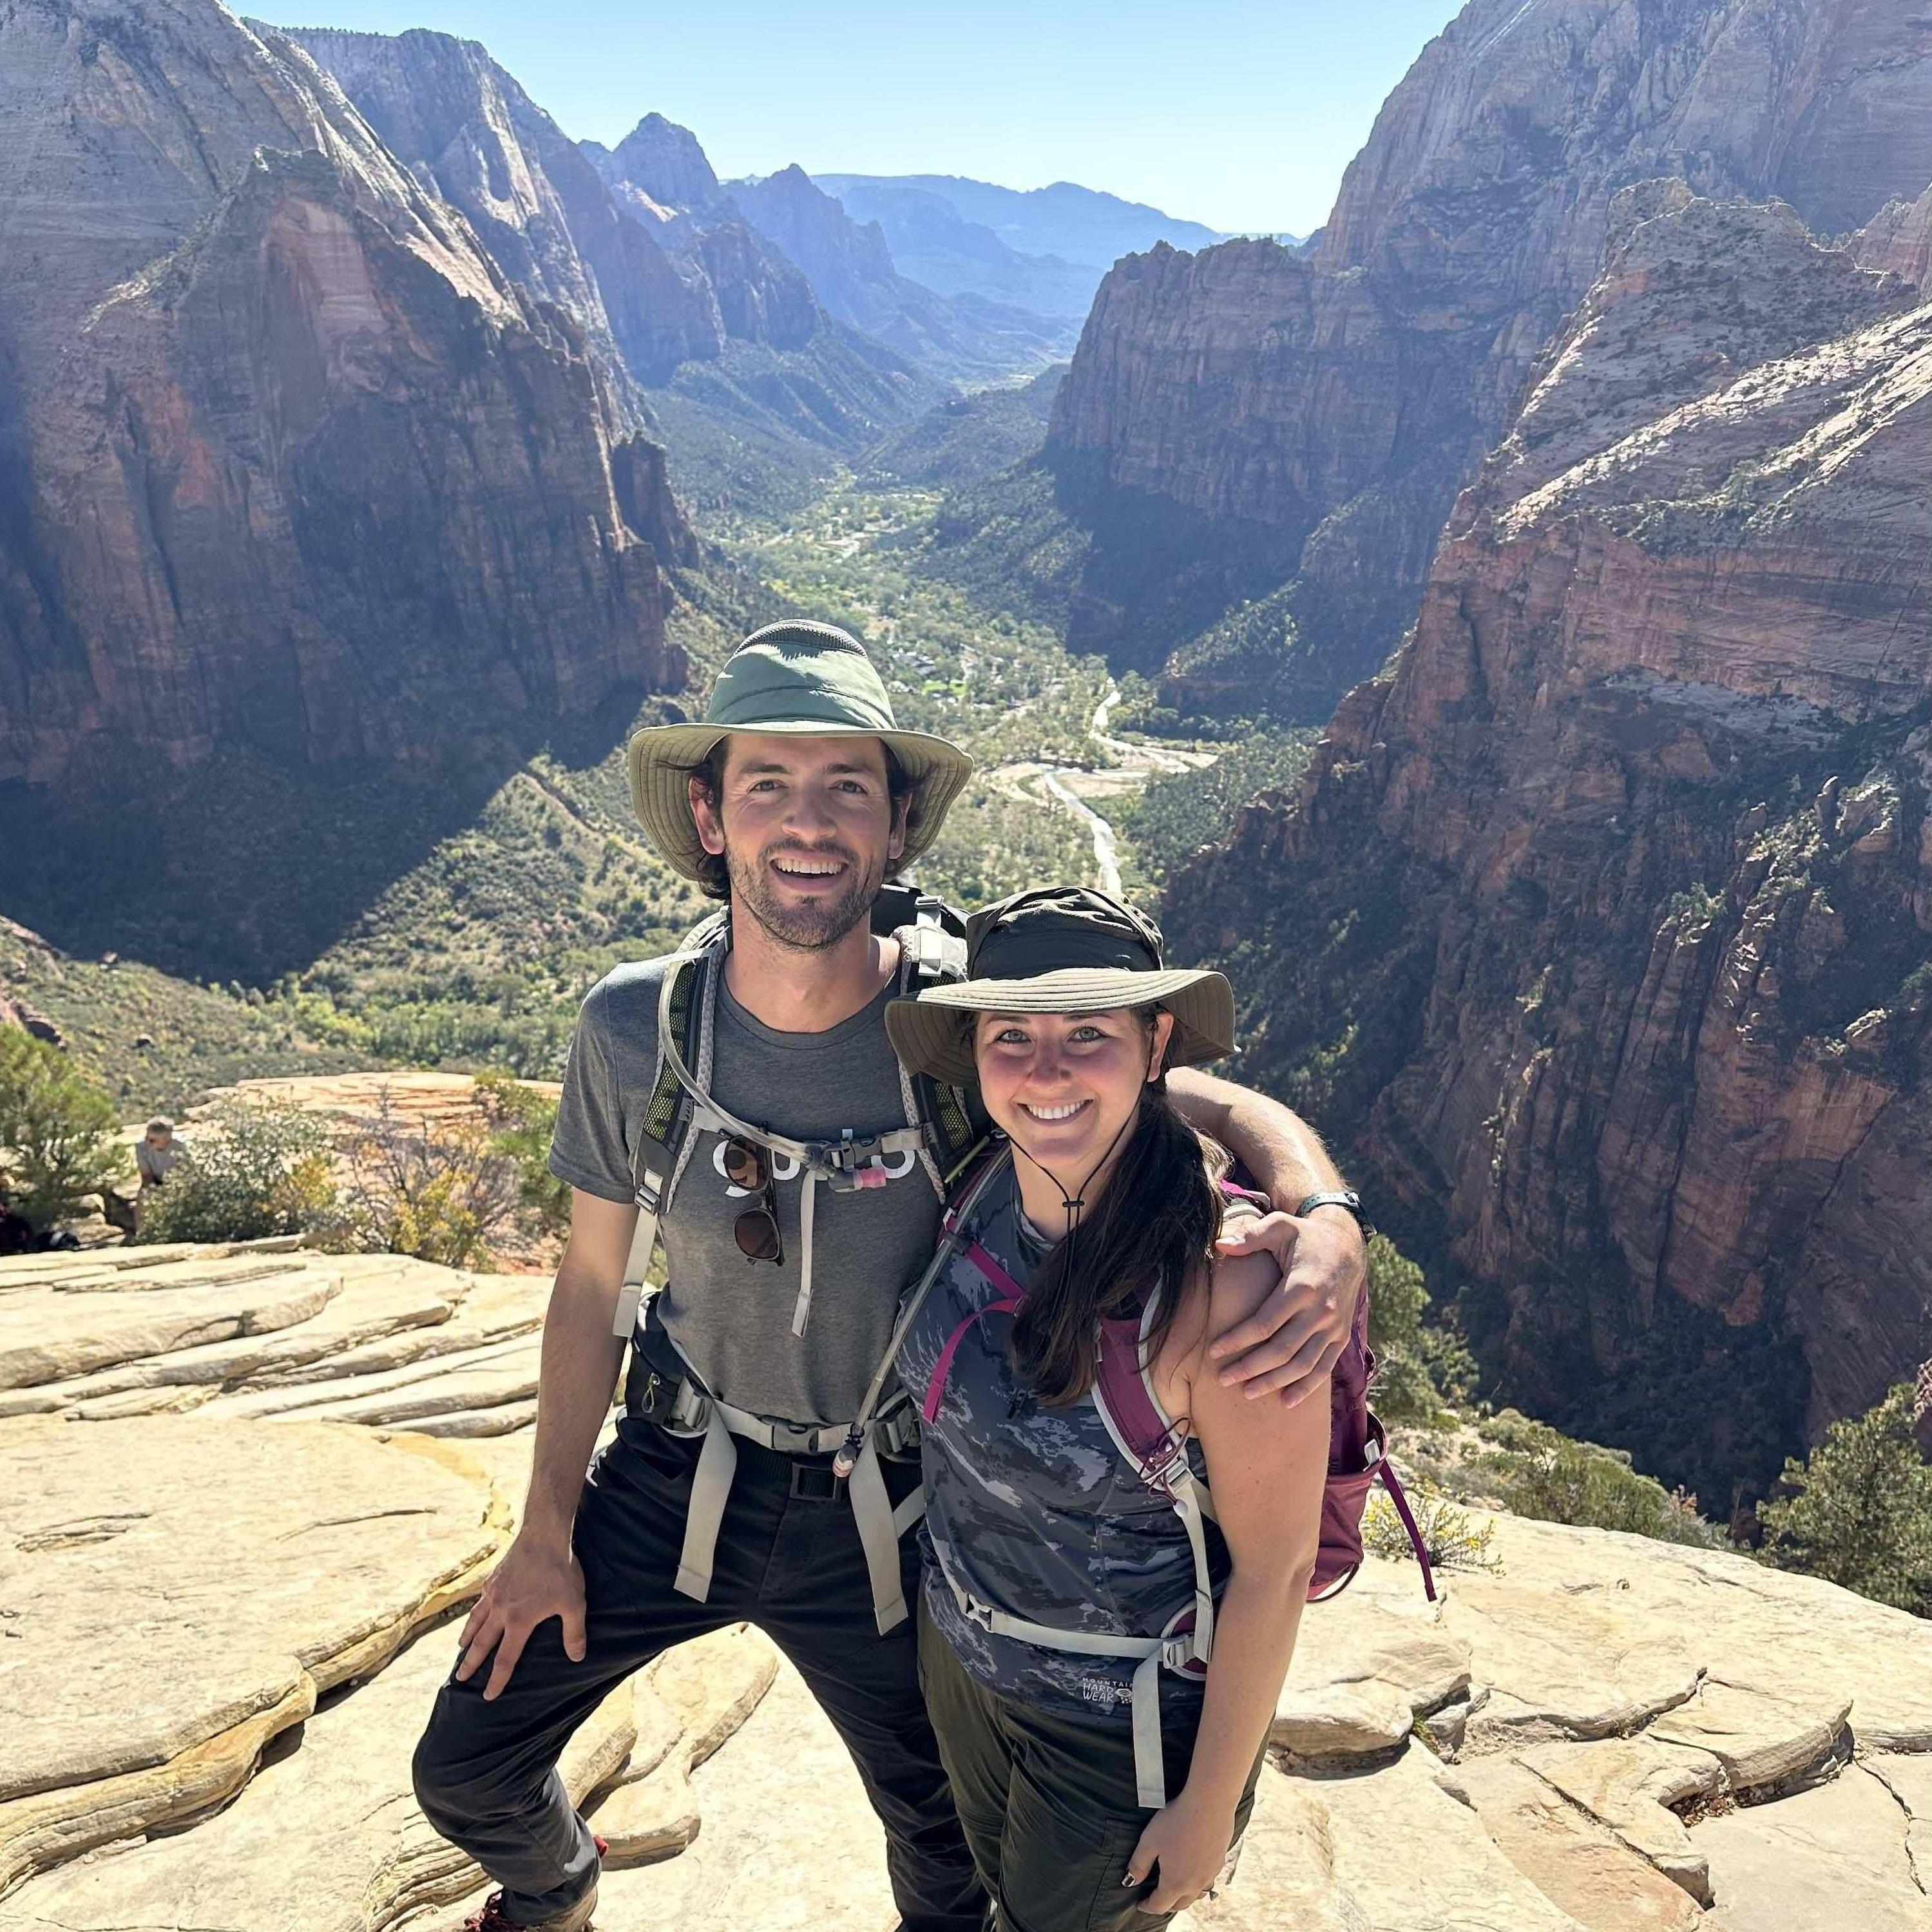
(1043, 248)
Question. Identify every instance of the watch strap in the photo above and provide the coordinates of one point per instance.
(1343, 1197)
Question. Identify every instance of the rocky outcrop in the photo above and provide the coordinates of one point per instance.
(296, 467)
(1248, 414)
(664, 164)
(789, 365)
(1598, 933)
(1597, 1732)
(473, 137)
(163, 1643)
(1043, 249)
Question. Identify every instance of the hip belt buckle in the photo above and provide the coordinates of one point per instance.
(815, 1483)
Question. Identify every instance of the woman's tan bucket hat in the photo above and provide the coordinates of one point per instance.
(803, 680)
(1060, 949)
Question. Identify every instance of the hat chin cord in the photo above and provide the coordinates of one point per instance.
(1072, 1204)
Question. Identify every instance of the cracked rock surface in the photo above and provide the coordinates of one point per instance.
(1607, 1734)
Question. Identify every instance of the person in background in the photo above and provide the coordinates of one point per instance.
(155, 1156)
(1101, 1649)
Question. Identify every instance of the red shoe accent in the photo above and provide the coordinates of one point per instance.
(490, 1919)
(602, 1846)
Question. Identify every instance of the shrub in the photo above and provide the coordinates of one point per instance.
(1858, 1509)
(1541, 1473)
(56, 1132)
(1420, 1369)
(439, 1197)
(1452, 1538)
(523, 1121)
(248, 1171)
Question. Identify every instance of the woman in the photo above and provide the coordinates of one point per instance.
(1073, 1591)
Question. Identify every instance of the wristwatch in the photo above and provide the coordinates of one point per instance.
(1345, 1197)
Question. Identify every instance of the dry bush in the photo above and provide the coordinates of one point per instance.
(442, 1196)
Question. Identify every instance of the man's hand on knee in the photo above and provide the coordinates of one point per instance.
(535, 1582)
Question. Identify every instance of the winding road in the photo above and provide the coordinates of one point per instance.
(1126, 767)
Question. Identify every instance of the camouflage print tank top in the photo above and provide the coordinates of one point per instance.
(1034, 1509)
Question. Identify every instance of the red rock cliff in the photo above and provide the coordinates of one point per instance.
(1600, 932)
(1250, 400)
(292, 464)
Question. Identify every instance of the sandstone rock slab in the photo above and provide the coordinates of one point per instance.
(1909, 1781)
(713, 1684)
(1366, 1666)
(186, 1587)
(326, 1838)
(1629, 1786)
(1591, 1632)
(505, 1372)
(57, 1331)
(1408, 1854)
(1574, 1860)
(644, 1819)
(788, 1843)
(491, 1308)
(1286, 1873)
(1829, 1858)
(470, 1425)
(1759, 1736)
(370, 1304)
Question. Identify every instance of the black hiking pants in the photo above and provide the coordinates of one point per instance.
(791, 1563)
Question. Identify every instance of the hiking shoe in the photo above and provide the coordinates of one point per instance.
(492, 1918)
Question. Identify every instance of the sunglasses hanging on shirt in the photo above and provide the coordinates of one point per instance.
(748, 1166)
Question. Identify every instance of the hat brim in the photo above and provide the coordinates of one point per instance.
(662, 756)
(933, 1034)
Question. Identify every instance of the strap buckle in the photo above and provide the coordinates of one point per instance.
(816, 1483)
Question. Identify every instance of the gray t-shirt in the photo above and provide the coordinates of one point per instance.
(730, 1317)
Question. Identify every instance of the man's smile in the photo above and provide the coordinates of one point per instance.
(795, 866)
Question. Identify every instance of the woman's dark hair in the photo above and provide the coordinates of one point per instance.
(1157, 1218)
(714, 876)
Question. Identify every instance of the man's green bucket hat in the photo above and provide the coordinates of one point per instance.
(803, 680)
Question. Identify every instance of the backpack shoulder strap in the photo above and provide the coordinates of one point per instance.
(1150, 1442)
(932, 951)
(685, 1007)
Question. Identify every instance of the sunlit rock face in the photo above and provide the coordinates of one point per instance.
(1249, 414)
(1599, 932)
(291, 463)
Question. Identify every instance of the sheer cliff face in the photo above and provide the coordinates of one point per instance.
(477, 141)
(1344, 395)
(1601, 928)
(292, 465)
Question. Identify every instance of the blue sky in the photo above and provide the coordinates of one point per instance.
(1240, 115)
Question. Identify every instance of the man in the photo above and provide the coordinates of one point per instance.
(155, 1155)
(798, 1198)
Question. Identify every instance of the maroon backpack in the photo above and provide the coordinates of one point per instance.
(1123, 1393)
(1357, 1443)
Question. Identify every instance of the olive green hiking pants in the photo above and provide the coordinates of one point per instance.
(1048, 1802)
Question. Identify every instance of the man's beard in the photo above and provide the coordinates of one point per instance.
(810, 925)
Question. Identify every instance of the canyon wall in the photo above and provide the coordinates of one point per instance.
(1600, 933)
(1252, 416)
(290, 462)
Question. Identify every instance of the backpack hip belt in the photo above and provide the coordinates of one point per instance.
(1183, 1649)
